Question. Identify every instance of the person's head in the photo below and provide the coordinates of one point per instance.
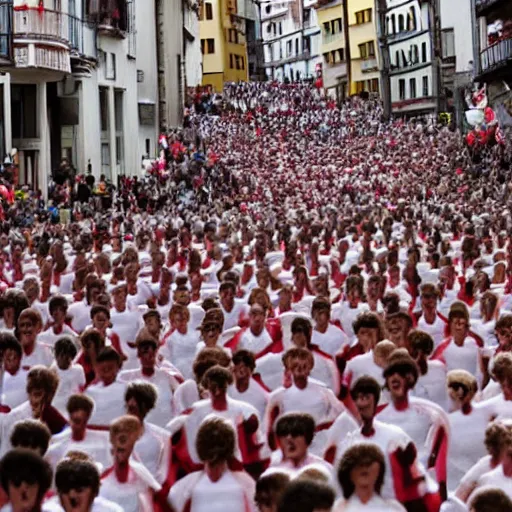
(206, 359)
(398, 325)
(58, 307)
(497, 436)
(215, 441)
(25, 477)
(299, 362)
(244, 364)
(100, 317)
(12, 352)
(354, 286)
(182, 296)
(65, 351)
(488, 305)
(304, 495)
(490, 499)
(257, 317)
(301, 332)
(119, 296)
(78, 484)
(400, 374)
(124, 433)
(361, 469)
(458, 320)
(153, 322)
(31, 435)
(92, 342)
(503, 330)
(502, 372)
(366, 395)
(321, 311)
(79, 409)
(421, 345)
(269, 490)
(382, 352)
(93, 289)
(211, 329)
(147, 350)
(140, 398)
(429, 295)
(108, 364)
(295, 432)
(30, 324)
(41, 387)
(179, 317)
(31, 288)
(217, 380)
(369, 330)
(461, 387)
(227, 292)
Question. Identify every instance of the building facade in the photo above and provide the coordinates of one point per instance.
(291, 40)
(493, 55)
(223, 43)
(331, 20)
(78, 84)
(364, 51)
(414, 73)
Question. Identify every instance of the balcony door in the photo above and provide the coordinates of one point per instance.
(5, 29)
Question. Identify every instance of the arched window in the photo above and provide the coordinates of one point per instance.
(401, 23)
(268, 9)
(397, 59)
(414, 21)
(415, 54)
(393, 24)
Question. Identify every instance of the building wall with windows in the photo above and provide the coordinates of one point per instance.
(410, 45)
(334, 64)
(364, 51)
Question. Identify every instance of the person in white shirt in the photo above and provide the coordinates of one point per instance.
(329, 338)
(216, 488)
(78, 485)
(361, 476)
(233, 310)
(247, 387)
(26, 477)
(14, 377)
(34, 353)
(429, 320)
(71, 376)
(490, 499)
(57, 327)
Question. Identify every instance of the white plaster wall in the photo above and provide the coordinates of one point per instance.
(456, 14)
(418, 75)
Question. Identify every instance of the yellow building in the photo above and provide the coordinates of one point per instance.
(334, 64)
(364, 50)
(222, 43)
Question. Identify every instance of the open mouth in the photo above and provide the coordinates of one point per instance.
(395, 384)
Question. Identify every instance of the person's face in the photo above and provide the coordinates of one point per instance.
(37, 399)
(122, 446)
(458, 327)
(78, 421)
(31, 290)
(506, 388)
(182, 297)
(266, 503)
(373, 290)
(257, 318)
(28, 331)
(120, 296)
(215, 391)
(63, 360)
(504, 336)
(353, 297)
(227, 298)
(23, 496)
(365, 403)
(367, 337)
(394, 276)
(294, 448)
(153, 324)
(77, 500)
(107, 371)
(147, 355)
(59, 315)
(300, 370)
(242, 373)
(364, 478)
(429, 301)
(210, 334)
(397, 386)
(101, 321)
(11, 361)
(8, 316)
(263, 280)
(322, 317)
(94, 294)
(300, 339)
(180, 322)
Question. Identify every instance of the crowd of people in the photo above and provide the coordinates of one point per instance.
(301, 307)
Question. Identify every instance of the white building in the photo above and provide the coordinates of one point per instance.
(80, 82)
(291, 40)
(412, 74)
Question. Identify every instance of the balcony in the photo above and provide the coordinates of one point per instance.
(305, 55)
(484, 6)
(111, 17)
(369, 65)
(331, 38)
(497, 57)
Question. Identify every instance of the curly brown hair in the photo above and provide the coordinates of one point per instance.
(215, 441)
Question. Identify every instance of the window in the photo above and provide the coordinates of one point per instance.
(112, 13)
(110, 69)
(397, 59)
(423, 52)
(24, 111)
(412, 87)
(425, 86)
(364, 16)
(401, 88)
(280, 29)
(336, 26)
(411, 20)
(371, 49)
(367, 50)
(448, 43)
(341, 55)
(274, 28)
(297, 46)
(203, 45)
(104, 109)
(208, 10)
(268, 9)
(414, 54)
(233, 35)
(327, 28)
(327, 57)
(118, 109)
(401, 24)
(288, 48)
(393, 24)
(360, 86)
(362, 51)
(242, 62)
(374, 85)
(210, 43)
(306, 44)
(231, 58)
